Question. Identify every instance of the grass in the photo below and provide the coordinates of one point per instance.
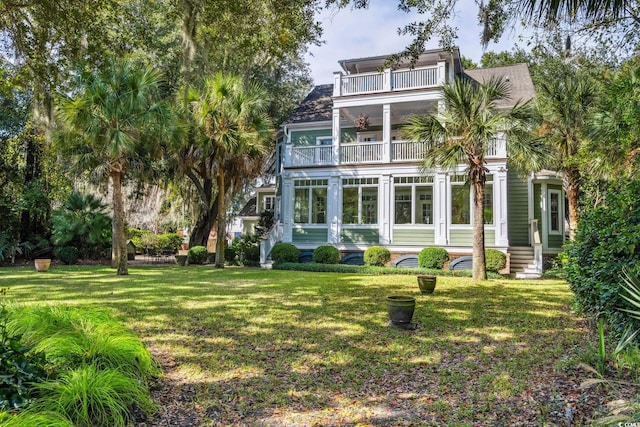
(298, 348)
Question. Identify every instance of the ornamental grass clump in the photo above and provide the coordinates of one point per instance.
(433, 258)
(69, 337)
(90, 396)
(377, 255)
(326, 255)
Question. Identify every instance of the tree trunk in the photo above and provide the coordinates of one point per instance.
(118, 241)
(479, 266)
(572, 187)
(221, 235)
(202, 229)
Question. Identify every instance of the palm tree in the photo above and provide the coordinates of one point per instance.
(461, 134)
(565, 104)
(111, 127)
(232, 117)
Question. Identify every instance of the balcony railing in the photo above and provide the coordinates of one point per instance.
(389, 80)
(367, 152)
(407, 150)
(312, 155)
(370, 152)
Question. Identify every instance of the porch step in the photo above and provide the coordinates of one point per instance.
(520, 257)
(524, 275)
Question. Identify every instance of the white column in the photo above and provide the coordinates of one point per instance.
(442, 73)
(544, 206)
(386, 82)
(500, 207)
(440, 209)
(333, 210)
(384, 210)
(287, 208)
(335, 132)
(337, 83)
(386, 132)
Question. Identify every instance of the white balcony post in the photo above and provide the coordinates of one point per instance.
(386, 133)
(386, 82)
(384, 210)
(500, 207)
(442, 73)
(287, 212)
(337, 83)
(440, 209)
(288, 155)
(333, 210)
(335, 133)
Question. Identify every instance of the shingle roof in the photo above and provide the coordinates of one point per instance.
(249, 209)
(316, 107)
(518, 75)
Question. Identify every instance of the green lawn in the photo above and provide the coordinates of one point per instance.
(260, 347)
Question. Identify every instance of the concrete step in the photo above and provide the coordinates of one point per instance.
(522, 275)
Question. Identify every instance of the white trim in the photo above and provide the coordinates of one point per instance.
(308, 126)
(319, 139)
(559, 232)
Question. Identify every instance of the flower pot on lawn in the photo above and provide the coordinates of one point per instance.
(400, 309)
(427, 284)
(181, 259)
(42, 264)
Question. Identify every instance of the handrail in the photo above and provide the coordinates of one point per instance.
(537, 245)
(274, 235)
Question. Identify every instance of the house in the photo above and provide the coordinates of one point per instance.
(346, 178)
(263, 200)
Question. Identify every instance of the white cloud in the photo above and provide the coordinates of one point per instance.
(371, 32)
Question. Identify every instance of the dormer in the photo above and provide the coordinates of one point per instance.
(362, 76)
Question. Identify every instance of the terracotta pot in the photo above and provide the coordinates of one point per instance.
(427, 284)
(42, 264)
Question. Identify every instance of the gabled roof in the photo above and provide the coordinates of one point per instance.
(316, 107)
(249, 209)
(518, 75)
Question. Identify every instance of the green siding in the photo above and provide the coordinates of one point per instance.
(518, 209)
(309, 235)
(412, 237)
(465, 237)
(308, 137)
(359, 235)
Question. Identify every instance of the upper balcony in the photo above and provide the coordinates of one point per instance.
(389, 80)
(354, 153)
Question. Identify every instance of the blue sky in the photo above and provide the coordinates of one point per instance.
(374, 31)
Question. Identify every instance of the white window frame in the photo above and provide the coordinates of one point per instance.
(361, 136)
(360, 187)
(559, 231)
(273, 203)
(312, 184)
(414, 200)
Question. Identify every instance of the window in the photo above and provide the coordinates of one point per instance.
(554, 211)
(268, 203)
(360, 201)
(460, 200)
(413, 200)
(310, 201)
(488, 201)
(367, 137)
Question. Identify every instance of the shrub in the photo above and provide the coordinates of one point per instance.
(230, 255)
(433, 258)
(377, 255)
(495, 260)
(326, 255)
(284, 252)
(83, 222)
(251, 256)
(197, 255)
(19, 366)
(607, 238)
(172, 241)
(68, 254)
